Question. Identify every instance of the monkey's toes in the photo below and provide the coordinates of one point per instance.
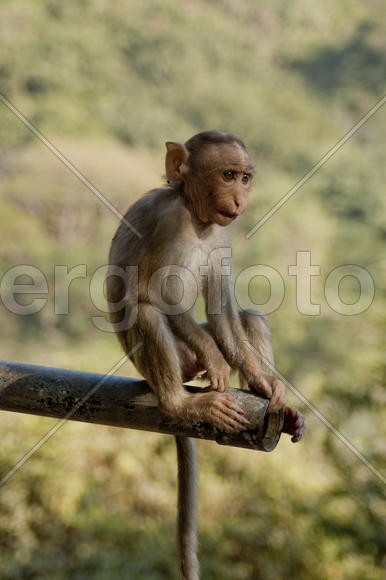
(228, 416)
(300, 430)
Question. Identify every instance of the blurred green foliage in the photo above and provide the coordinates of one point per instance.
(108, 83)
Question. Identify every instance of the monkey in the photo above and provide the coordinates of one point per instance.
(183, 249)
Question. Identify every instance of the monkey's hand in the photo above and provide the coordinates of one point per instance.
(218, 372)
(272, 388)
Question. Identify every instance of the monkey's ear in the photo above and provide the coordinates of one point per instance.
(176, 162)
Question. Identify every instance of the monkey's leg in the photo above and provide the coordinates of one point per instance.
(159, 362)
(257, 331)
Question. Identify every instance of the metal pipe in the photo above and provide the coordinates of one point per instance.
(124, 402)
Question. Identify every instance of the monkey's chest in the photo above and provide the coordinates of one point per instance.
(195, 260)
(207, 262)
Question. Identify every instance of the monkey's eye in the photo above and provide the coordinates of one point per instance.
(229, 175)
(246, 177)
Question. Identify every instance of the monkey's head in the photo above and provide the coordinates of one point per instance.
(214, 172)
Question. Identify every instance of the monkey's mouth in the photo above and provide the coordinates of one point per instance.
(226, 214)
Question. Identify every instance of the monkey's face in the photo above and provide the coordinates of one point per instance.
(223, 184)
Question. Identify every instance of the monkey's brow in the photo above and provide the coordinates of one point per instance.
(237, 168)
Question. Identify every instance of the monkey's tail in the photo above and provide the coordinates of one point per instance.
(187, 509)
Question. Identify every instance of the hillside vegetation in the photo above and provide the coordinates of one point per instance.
(107, 83)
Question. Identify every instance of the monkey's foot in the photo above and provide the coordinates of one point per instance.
(220, 410)
(294, 424)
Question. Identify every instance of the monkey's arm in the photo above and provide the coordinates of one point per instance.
(248, 354)
(233, 342)
(225, 325)
(249, 350)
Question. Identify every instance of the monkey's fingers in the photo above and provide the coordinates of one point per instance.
(229, 398)
(219, 384)
(232, 422)
(279, 397)
(227, 414)
(222, 385)
(229, 402)
(215, 384)
(262, 386)
(236, 421)
(235, 414)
